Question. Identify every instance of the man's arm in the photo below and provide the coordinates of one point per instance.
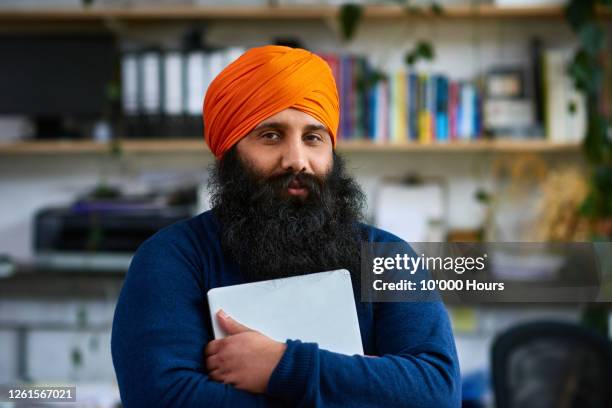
(159, 334)
(417, 367)
(417, 364)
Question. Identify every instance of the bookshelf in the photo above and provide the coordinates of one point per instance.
(190, 13)
(35, 18)
(198, 146)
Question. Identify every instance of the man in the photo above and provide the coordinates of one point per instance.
(282, 206)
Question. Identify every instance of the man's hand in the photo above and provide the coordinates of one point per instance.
(245, 358)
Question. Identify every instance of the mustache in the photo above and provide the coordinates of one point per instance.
(308, 181)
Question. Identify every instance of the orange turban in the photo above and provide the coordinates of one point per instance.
(262, 82)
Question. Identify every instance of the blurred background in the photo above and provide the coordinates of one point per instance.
(463, 121)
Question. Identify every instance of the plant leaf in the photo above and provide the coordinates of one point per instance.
(579, 12)
(588, 208)
(425, 50)
(436, 8)
(349, 19)
(586, 72)
(591, 38)
(603, 178)
(410, 59)
(596, 144)
(482, 196)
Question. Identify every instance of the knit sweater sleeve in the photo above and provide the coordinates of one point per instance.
(159, 333)
(417, 365)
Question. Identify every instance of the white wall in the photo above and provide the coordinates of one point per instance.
(29, 183)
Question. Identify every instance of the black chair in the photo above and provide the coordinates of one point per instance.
(549, 364)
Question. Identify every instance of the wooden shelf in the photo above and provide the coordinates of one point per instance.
(168, 13)
(85, 147)
(197, 146)
(492, 146)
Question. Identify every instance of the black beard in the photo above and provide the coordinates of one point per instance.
(271, 235)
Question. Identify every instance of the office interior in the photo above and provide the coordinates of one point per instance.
(101, 105)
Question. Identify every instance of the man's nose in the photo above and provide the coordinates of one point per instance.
(294, 157)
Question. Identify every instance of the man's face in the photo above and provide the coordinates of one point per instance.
(290, 141)
(273, 232)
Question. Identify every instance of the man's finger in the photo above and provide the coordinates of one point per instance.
(212, 362)
(213, 347)
(229, 325)
(216, 375)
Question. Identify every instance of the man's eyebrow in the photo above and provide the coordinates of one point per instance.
(313, 127)
(271, 125)
(281, 125)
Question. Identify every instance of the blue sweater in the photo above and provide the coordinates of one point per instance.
(161, 327)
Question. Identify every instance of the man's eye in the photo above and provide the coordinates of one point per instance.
(313, 137)
(270, 136)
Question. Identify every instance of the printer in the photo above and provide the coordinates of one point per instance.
(102, 234)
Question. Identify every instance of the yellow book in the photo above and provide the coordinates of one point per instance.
(424, 127)
(400, 108)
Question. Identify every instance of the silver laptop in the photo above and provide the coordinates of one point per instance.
(318, 307)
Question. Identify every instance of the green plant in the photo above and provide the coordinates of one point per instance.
(351, 15)
(587, 71)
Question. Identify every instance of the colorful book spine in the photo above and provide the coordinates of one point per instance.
(345, 106)
(413, 121)
(398, 107)
(382, 113)
(453, 109)
(404, 106)
(423, 106)
(441, 113)
(431, 106)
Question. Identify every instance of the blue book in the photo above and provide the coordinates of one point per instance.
(413, 106)
(477, 113)
(371, 104)
(441, 112)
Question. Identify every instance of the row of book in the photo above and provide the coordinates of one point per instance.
(159, 87)
(163, 92)
(429, 107)
(404, 106)
(170, 83)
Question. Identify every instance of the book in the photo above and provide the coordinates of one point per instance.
(173, 100)
(441, 113)
(453, 109)
(129, 84)
(413, 122)
(195, 77)
(151, 81)
(398, 107)
(423, 109)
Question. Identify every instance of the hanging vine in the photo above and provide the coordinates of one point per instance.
(587, 71)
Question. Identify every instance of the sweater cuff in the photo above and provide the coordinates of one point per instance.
(289, 380)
